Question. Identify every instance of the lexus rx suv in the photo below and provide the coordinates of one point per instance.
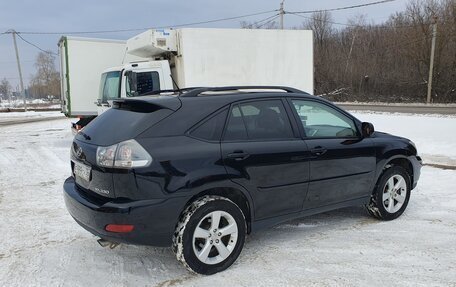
(199, 170)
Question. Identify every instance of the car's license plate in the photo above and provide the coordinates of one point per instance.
(82, 170)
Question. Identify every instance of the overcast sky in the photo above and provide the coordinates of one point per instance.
(86, 15)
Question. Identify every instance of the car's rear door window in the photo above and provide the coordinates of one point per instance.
(321, 121)
(258, 120)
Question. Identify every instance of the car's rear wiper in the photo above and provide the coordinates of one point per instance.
(85, 135)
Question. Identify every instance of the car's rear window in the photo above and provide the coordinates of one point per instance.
(119, 124)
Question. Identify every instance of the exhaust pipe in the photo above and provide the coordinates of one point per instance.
(106, 243)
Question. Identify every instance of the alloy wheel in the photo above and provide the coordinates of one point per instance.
(394, 193)
(215, 237)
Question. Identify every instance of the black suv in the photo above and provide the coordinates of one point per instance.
(199, 170)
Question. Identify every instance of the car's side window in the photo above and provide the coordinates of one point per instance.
(320, 121)
(211, 129)
(259, 120)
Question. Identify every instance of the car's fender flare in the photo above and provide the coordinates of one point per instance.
(210, 187)
(383, 163)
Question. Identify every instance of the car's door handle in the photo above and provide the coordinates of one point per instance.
(238, 155)
(319, 150)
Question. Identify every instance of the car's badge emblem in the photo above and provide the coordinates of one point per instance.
(78, 152)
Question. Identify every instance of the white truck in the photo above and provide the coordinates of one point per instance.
(166, 59)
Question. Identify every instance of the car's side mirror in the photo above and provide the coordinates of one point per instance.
(367, 129)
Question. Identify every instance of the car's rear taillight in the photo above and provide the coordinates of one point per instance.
(119, 228)
(127, 154)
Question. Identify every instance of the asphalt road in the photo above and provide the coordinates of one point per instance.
(395, 108)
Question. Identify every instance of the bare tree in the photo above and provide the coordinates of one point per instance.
(388, 61)
(321, 25)
(46, 81)
(269, 24)
(5, 89)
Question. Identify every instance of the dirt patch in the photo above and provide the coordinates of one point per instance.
(441, 166)
(176, 281)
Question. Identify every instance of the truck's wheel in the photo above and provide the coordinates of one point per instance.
(210, 235)
(391, 194)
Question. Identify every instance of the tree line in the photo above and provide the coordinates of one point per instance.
(386, 62)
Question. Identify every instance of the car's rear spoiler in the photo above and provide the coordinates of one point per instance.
(148, 104)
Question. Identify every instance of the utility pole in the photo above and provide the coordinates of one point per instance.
(431, 64)
(13, 32)
(281, 13)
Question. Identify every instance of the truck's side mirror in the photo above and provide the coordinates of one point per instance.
(367, 129)
(132, 82)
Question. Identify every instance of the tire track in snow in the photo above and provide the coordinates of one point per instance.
(441, 166)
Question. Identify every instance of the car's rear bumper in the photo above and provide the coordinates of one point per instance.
(154, 220)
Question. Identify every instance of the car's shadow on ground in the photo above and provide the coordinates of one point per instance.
(159, 265)
(310, 227)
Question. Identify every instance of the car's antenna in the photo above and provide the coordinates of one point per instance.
(174, 82)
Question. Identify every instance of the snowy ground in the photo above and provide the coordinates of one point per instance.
(40, 244)
(35, 102)
(23, 117)
(29, 115)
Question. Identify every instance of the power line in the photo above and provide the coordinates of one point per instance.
(265, 23)
(30, 43)
(145, 28)
(343, 8)
(378, 26)
(265, 20)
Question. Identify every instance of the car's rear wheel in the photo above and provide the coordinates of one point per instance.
(391, 194)
(210, 235)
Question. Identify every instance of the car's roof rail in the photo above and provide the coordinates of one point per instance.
(176, 91)
(198, 91)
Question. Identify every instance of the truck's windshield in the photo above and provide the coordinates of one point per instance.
(109, 86)
(146, 82)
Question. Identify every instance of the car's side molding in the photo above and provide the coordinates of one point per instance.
(269, 222)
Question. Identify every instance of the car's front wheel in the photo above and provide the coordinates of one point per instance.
(391, 195)
(210, 235)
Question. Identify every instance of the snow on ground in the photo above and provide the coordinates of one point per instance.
(29, 114)
(40, 244)
(35, 102)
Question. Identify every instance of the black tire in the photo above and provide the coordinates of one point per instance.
(183, 244)
(376, 206)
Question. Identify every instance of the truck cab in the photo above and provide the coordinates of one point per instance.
(133, 80)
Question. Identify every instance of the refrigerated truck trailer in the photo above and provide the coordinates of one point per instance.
(160, 59)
